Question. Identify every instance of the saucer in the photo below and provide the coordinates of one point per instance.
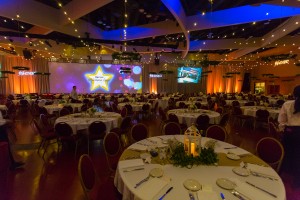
(241, 171)
(192, 184)
(233, 156)
(225, 183)
(156, 172)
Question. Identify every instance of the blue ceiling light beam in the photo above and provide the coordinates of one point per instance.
(177, 11)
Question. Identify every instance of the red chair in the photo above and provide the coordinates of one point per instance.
(261, 117)
(124, 112)
(216, 132)
(64, 111)
(96, 131)
(47, 136)
(112, 148)
(88, 177)
(171, 128)
(174, 118)
(138, 132)
(202, 122)
(65, 134)
(271, 151)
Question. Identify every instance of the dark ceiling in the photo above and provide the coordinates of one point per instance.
(141, 12)
(193, 7)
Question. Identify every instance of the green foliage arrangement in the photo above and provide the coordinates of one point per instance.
(180, 158)
(278, 57)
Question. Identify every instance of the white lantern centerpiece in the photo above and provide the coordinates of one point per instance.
(192, 141)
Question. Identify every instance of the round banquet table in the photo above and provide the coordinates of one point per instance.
(241, 102)
(251, 110)
(126, 177)
(57, 107)
(188, 117)
(81, 121)
(204, 103)
(136, 106)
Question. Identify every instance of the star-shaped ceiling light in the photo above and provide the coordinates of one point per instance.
(99, 79)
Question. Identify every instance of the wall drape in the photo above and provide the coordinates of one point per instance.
(16, 84)
(217, 83)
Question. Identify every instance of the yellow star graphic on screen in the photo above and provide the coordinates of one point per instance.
(99, 79)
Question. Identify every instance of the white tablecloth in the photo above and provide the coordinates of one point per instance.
(57, 107)
(205, 175)
(187, 117)
(251, 110)
(81, 121)
(3, 107)
(242, 102)
(203, 103)
(136, 106)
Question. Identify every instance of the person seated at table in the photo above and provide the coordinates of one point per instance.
(4, 138)
(289, 121)
(74, 94)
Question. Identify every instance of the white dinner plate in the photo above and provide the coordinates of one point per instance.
(233, 156)
(192, 184)
(241, 171)
(156, 172)
(225, 183)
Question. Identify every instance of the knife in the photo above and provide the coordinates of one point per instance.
(163, 196)
(261, 189)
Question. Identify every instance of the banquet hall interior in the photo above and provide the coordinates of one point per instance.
(146, 67)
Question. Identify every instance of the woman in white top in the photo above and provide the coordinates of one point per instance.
(289, 120)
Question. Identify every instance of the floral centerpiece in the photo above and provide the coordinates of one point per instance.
(190, 152)
(91, 111)
(192, 107)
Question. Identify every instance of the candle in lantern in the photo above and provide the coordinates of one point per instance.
(193, 150)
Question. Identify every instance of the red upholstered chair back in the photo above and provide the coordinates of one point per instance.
(112, 148)
(87, 174)
(271, 151)
(63, 130)
(64, 112)
(202, 122)
(224, 120)
(111, 144)
(124, 112)
(86, 171)
(173, 118)
(4, 158)
(138, 132)
(171, 128)
(97, 128)
(216, 132)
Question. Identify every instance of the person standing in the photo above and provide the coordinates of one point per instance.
(289, 121)
(74, 94)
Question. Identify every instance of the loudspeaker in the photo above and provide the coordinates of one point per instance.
(27, 54)
(156, 61)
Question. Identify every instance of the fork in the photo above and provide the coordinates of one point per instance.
(240, 195)
(142, 181)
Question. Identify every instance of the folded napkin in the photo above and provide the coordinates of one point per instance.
(252, 192)
(151, 188)
(138, 147)
(268, 171)
(238, 151)
(124, 164)
(207, 195)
